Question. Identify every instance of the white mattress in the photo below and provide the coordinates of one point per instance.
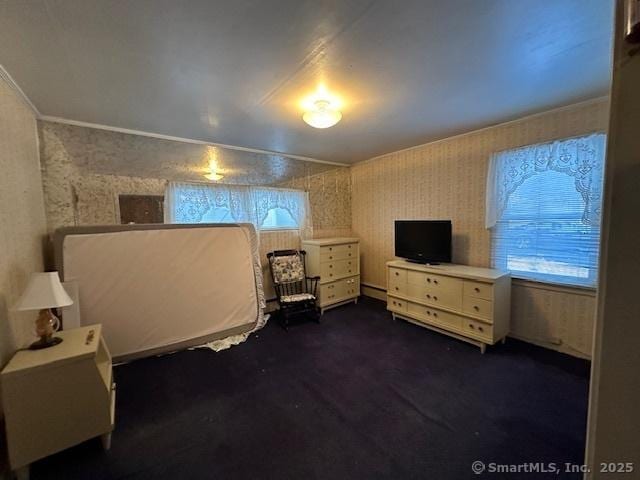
(152, 289)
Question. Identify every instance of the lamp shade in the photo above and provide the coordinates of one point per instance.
(44, 290)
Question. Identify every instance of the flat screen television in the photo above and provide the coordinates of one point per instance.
(423, 241)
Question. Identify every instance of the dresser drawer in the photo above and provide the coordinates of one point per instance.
(398, 288)
(352, 287)
(432, 279)
(338, 252)
(332, 291)
(444, 297)
(396, 305)
(339, 268)
(397, 275)
(477, 306)
(432, 315)
(478, 290)
(478, 329)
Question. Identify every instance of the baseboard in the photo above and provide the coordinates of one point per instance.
(373, 291)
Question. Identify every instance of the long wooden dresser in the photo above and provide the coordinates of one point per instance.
(337, 262)
(468, 303)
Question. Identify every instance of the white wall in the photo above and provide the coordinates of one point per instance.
(614, 413)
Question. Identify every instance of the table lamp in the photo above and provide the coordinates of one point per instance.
(44, 292)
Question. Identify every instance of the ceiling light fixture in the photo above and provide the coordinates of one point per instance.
(213, 172)
(322, 109)
(322, 115)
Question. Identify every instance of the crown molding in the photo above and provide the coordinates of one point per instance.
(77, 123)
(8, 79)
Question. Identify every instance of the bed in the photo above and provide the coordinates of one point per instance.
(160, 288)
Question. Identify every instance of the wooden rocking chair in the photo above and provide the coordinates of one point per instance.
(296, 293)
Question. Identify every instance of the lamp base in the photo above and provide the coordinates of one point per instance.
(45, 343)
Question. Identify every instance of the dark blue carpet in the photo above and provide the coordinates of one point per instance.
(358, 396)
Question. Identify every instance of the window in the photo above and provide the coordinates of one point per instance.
(279, 218)
(543, 208)
(267, 208)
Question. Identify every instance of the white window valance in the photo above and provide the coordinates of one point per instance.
(579, 157)
(220, 203)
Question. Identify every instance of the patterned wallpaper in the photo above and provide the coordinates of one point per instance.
(21, 216)
(446, 180)
(85, 169)
(105, 152)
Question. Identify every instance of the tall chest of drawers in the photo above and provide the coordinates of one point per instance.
(469, 303)
(337, 262)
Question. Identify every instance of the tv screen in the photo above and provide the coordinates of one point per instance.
(423, 241)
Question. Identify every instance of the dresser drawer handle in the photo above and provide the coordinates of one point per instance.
(481, 329)
(476, 308)
(349, 254)
(331, 274)
(435, 281)
(349, 246)
(428, 312)
(397, 274)
(435, 314)
(397, 288)
(471, 326)
(330, 258)
(477, 290)
(428, 280)
(349, 271)
(428, 296)
(394, 303)
(435, 298)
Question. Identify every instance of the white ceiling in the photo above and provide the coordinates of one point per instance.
(233, 71)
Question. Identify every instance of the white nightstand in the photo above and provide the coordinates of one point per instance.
(58, 397)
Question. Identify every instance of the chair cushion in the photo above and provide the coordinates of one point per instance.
(287, 268)
(297, 297)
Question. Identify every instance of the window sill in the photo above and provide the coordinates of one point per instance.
(295, 229)
(555, 287)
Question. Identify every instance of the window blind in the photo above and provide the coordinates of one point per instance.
(546, 202)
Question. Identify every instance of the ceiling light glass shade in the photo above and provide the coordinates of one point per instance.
(214, 176)
(322, 116)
